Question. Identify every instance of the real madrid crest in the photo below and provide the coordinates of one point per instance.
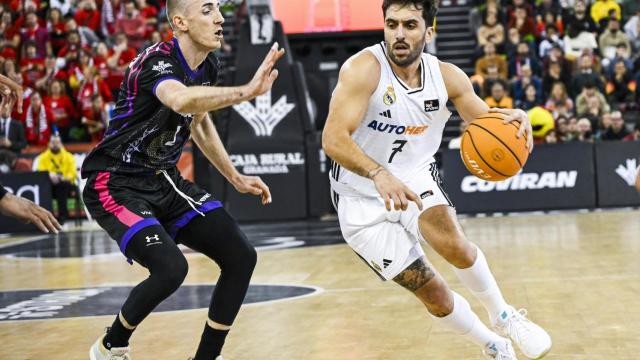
(389, 96)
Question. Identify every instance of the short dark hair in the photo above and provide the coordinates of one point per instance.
(429, 8)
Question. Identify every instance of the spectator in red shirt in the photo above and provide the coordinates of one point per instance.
(32, 31)
(10, 30)
(525, 25)
(57, 29)
(119, 58)
(37, 121)
(70, 51)
(132, 25)
(51, 73)
(88, 15)
(149, 14)
(61, 108)
(31, 66)
(96, 120)
(91, 85)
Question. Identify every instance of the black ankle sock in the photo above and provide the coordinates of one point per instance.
(210, 343)
(117, 336)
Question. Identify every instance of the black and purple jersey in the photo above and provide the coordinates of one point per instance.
(145, 136)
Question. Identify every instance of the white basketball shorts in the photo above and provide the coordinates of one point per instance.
(388, 241)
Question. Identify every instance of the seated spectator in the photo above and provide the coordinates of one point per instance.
(132, 25)
(601, 9)
(611, 38)
(91, 85)
(584, 133)
(37, 121)
(547, 19)
(149, 14)
(559, 99)
(511, 45)
(57, 29)
(576, 41)
(617, 130)
(526, 78)
(490, 59)
(586, 75)
(531, 98)
(491, 31)
(62, 109)
(51, 74)
(591, 93)
(511, 9)
(550, 39)
(31, 66)
(548, 7)
(562, 129)
(33, 32)
(523, 57)
(579, 19)
(603, 124)
(622, 54)
(485, 85)
(572, 129)
(631, 28)
(71, 50)
(554, 74)
(621, 86)
(551, 137)
(12, 135)
(499, 97)
(88, 16)
(96, 121)
(118, 61)
(61, 166)
(635, 135)
(523, 23)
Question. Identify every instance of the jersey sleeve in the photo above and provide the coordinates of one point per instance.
(157, 69)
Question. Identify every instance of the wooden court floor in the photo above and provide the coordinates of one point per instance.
(578, 274)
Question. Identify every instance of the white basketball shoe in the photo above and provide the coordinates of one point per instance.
(99, 352)
(533, 341)
(499, 351)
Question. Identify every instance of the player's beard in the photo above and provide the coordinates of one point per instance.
(414, 54)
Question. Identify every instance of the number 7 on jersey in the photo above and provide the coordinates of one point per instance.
(397, 149)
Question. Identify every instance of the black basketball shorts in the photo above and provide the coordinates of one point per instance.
(125, 204)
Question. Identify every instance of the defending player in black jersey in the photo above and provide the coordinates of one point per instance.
(136, 194)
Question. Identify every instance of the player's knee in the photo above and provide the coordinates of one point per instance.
(459, 253)
(437, 297)
(247, 261)
(173, 273)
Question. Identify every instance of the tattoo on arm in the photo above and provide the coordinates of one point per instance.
(415, 276)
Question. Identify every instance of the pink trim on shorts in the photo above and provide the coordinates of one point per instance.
(108, 203)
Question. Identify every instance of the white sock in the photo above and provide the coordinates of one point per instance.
(465, 322)
(479, 280)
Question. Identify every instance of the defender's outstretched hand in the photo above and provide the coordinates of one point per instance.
(265, 75)
(254, 185)
(525, 123)
(393, 190)
(28, 212)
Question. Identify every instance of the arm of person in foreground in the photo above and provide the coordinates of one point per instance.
(202, 99)
(206, 136)
(470, 106)
(28, 212)
(348, 105)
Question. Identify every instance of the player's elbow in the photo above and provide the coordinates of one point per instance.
(330, 143)
(181, 104)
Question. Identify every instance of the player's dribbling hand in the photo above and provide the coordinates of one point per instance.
(525, 123)
(30, 213)
(265, 75)
(253, 185)
(393, 190)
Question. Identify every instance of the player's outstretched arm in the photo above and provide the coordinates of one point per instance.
(28, 212)
(358, 80)
(201, 99)
(206, 137)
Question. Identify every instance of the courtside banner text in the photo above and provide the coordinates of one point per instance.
(34, 186)
(555, 177)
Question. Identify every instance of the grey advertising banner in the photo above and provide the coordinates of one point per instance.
(555, 177)
(617, 166)
(33, 186)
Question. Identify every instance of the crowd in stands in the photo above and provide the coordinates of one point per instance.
(70, 57)
(574, 65)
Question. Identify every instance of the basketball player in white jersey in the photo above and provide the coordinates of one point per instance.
(385, 124)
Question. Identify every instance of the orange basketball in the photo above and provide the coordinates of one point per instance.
(491, 150)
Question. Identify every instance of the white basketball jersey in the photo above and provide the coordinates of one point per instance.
(402, 128)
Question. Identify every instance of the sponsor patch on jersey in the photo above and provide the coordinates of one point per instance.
(426, 194)
(396, 129)
(389, 96)
(162, 68)
(431, 105)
